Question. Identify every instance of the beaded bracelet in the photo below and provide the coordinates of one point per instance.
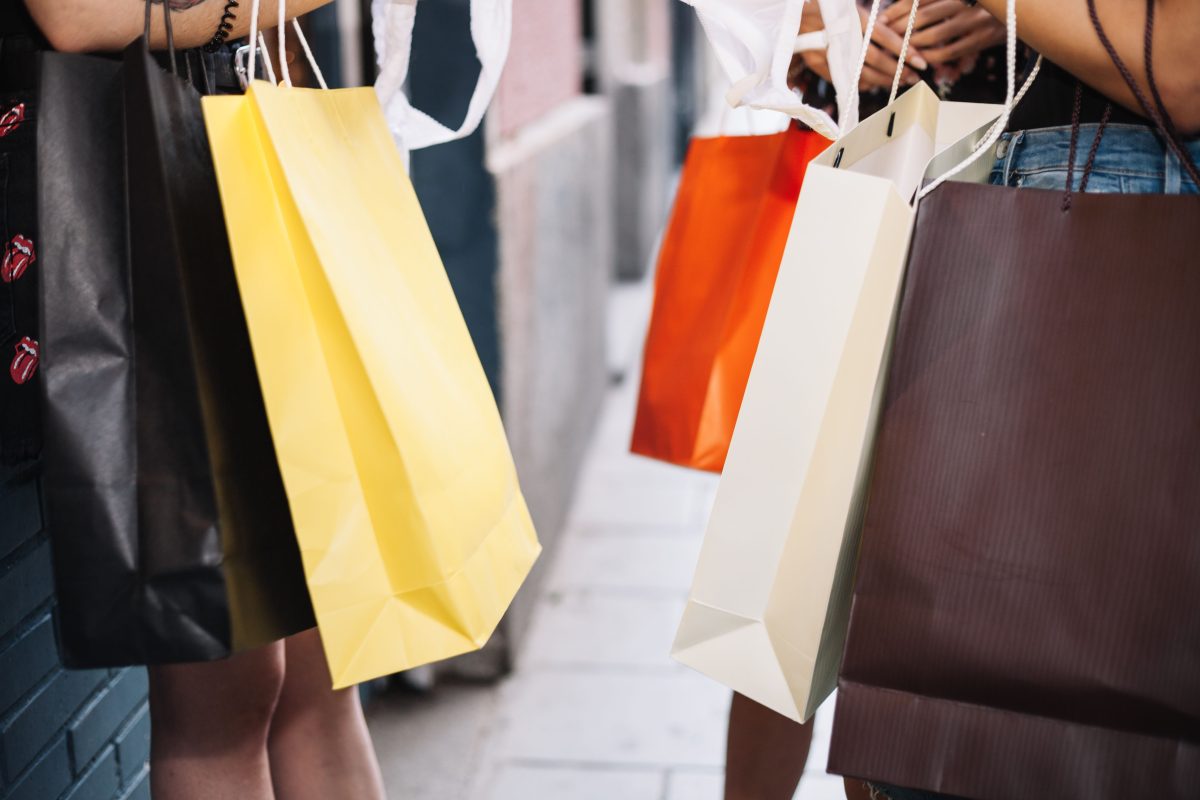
(223, 27)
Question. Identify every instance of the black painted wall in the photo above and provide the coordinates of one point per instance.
(456, 191)
(78, 735)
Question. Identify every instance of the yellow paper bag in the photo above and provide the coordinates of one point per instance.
(413, 529)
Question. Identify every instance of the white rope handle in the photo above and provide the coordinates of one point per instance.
(267, 66)
(1011, 98)
(908, 32)
(868, 32)
(312, 61)
(256, 36)
(280, 35)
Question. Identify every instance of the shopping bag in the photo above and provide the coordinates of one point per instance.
(414, 532)
(1025, 605)
(392, 25)
(767, 611)
(754, 41)
(169, 526)
(716, 268)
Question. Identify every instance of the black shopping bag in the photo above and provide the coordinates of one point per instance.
(170, 528)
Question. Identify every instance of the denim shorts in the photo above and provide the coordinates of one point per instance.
(1131, 159)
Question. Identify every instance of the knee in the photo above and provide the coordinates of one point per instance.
(220, 705)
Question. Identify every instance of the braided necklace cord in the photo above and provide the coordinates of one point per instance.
(1166, 125)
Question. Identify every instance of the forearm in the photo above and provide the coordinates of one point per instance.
(94, 25)
(1062, 31)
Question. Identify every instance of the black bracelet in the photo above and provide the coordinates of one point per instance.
(223, 27)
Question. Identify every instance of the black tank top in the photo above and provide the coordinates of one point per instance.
(1049, 102)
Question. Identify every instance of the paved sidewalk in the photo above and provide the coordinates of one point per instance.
(596, 709)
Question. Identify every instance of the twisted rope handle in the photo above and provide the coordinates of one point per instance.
(1011, 98)
(868, 32)
(908, 32)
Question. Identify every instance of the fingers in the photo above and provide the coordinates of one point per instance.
(892, 42)
(898, 10)
(938, 34)
(884, 63)
(972, 44)
(873, 78)
(930, 12)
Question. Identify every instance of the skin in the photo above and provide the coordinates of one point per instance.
(765, 752)
(946, 30)
(1061, 30)
(765, 755)
(260, 725)
(76, 26)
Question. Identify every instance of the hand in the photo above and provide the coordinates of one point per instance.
(882, 56)
(946, 30)
(882, 53)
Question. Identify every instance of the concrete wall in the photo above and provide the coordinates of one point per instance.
(634, 68)
(534, 86)
(78, 735)
(554, 190)
(549, 152)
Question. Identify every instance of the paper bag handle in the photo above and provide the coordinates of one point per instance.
(491, 31)
(741, 48)
(1011, 98)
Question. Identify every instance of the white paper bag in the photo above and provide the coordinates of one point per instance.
(770, 600)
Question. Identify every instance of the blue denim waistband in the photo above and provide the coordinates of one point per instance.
(1132, 155)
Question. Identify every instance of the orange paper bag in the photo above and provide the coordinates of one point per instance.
(716, 270)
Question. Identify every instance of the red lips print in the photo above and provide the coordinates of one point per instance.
(25, 362)
(12, 119)
(17, 258)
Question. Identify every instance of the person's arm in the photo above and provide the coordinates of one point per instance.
(1061, 30)
(94, 25)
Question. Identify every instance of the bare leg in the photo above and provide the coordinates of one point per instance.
(319, 744)
(764, 754)
(857, 790)
(209, 727)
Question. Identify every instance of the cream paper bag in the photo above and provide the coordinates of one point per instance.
(770, 599)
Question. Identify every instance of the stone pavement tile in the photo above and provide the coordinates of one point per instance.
(641, 560)
(430, 744)
(710, 785)
(523, 782)
(618, 462)
(603, 628)
(628, 312)
(632, 717)
(818, 754)
(702, 503)
(615, 428)
(695, 785)
(621, 501)
(821, 787)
